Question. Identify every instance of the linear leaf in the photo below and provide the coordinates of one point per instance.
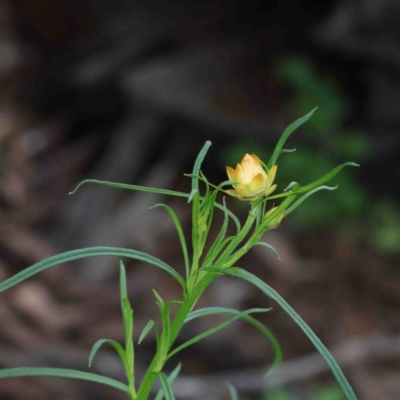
(216, 329)
(196, 169)
(181, 235)
(119, 349)
(203, 312)
(166, 386)
(327, 177)
(130, 187)
(308, 194)
(88, 252)
(172, 376)
(268, 246)
(247, 276)
(150, 190)
(285, 135)
(151, 324)
(232, 392)
(63, 373)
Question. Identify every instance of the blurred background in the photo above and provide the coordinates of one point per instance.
(128, 91)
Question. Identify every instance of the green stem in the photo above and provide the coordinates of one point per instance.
(186, 307)
(237, 240)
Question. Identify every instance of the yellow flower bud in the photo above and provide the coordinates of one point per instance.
(253, 181)
(274, 223)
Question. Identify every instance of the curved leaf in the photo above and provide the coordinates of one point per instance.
(63, 373)
(232, 392)
(151, 324)
(327, 177)
(216, 329)
(268, 246)
(173, 375)
(119, 349)
(203, 312)
(181, 235)
(308, 194)
(196, 169)
(285, 135)
(88, 252)
(130, 187)
(151, 190)
(247, 276)
(166, 386)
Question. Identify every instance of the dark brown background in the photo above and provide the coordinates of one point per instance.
(128, 91)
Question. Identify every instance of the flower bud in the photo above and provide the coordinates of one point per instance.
(275, 221)
(253, 181)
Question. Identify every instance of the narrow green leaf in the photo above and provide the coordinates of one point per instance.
(160, 301)
(166, 326)
(122, 281)
(181, 235)
(327, 177)
(173, 375)
(166, 386)
(63, 373)
(196, 169)
(216, 329)
(124, 295)
(233, 392)
(216, 246)
(288, 151)
(128, 330)
(247, 276)
(150, 190)
(146, 330)
(203, 312)
(285, 135)
(268, 246)
(88, 252)
(118, 348)
(130, 187)
(308, 194)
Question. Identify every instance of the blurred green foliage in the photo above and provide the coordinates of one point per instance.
(325, 142)
(324, 392)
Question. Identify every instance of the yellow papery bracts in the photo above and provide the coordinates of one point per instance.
(253, 181)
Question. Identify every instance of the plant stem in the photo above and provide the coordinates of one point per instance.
(186, 307)
(236, 241)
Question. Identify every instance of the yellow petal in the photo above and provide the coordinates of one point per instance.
(272, 174)
(257, 184)
(232, 193)
(231, 173)
(243, 190)
(239, 174)
(269, 191)
(248, 168)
